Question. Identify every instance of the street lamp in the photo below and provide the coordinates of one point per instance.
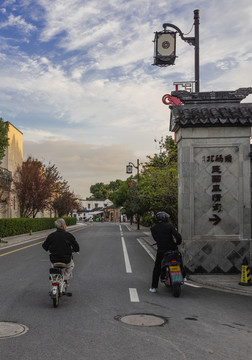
(129, 169)
(165, 46)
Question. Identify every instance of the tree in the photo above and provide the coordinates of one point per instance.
(104, 191)
(34, 185)
(65, 203)
(5, 187)
(159, 189)
(119, 196)
(4, 141)
(99, 191)
(167, 156)
(114, 185)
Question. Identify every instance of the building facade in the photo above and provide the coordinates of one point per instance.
(12, 159)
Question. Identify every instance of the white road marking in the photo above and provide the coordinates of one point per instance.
(133, 295)
(126, 257)
(146, 249)
(129, 228)
(192, 285)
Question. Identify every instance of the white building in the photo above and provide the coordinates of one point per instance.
(89, 205)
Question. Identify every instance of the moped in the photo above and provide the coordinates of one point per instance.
(171, 271)
(58, 283)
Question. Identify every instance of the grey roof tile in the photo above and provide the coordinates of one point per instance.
(206, 115)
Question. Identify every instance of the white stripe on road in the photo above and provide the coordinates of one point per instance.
(126, 257)
(133, 295)
(192, 285)
(129, 228)
(146, 249)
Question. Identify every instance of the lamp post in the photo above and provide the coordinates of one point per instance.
(129, 171)
(165, 46)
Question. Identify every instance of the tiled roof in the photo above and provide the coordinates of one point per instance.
(212, 96)
(206, 115)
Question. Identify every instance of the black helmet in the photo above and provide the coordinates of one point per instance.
(162, 216)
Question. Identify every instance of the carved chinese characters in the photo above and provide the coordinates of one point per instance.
(216, 183)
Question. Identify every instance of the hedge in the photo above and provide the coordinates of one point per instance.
(17, 226)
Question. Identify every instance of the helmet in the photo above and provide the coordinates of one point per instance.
(162, 216)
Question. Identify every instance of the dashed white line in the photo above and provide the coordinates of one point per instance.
(126, 257)
(133, 295)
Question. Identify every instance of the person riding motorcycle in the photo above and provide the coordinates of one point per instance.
(61, 245)
(167, 239)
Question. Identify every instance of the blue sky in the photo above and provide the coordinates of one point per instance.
(76, 77)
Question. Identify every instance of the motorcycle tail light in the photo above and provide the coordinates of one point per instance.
(174, 261)
(55, 284)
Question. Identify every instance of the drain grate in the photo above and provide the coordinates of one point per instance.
(142, 320)
(11, 329)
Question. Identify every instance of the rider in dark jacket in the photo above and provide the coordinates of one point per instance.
(167, 238)
(61, 245)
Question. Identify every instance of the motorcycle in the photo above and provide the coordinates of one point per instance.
(58, 283)
(171, 271)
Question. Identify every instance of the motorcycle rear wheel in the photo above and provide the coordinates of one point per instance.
(176, 290)
(56, 299)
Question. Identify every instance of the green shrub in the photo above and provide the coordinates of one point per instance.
(147, 220)
(11, 227)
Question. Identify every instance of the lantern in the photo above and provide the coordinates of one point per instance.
(128, 169)
(164, 48)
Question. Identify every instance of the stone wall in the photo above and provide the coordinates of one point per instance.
(12, 159)
(214, 197)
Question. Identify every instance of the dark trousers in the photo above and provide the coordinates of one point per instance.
(157, 270)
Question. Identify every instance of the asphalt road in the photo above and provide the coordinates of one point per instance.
(111, 281)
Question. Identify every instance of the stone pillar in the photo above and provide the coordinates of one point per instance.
(213, 132)
(250, 154)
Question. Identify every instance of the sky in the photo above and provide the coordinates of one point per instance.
(76, 77)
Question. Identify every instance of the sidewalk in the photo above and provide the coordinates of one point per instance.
(222, 282)
(25, 238)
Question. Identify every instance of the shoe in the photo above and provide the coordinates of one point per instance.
(69, 294)
(153, 290)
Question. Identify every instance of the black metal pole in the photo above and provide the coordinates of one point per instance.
(196, 32)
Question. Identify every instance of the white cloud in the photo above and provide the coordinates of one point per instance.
(17, 21)
(86, 76)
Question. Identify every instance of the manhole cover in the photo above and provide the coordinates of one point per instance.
(142, 320)
(11, 329)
